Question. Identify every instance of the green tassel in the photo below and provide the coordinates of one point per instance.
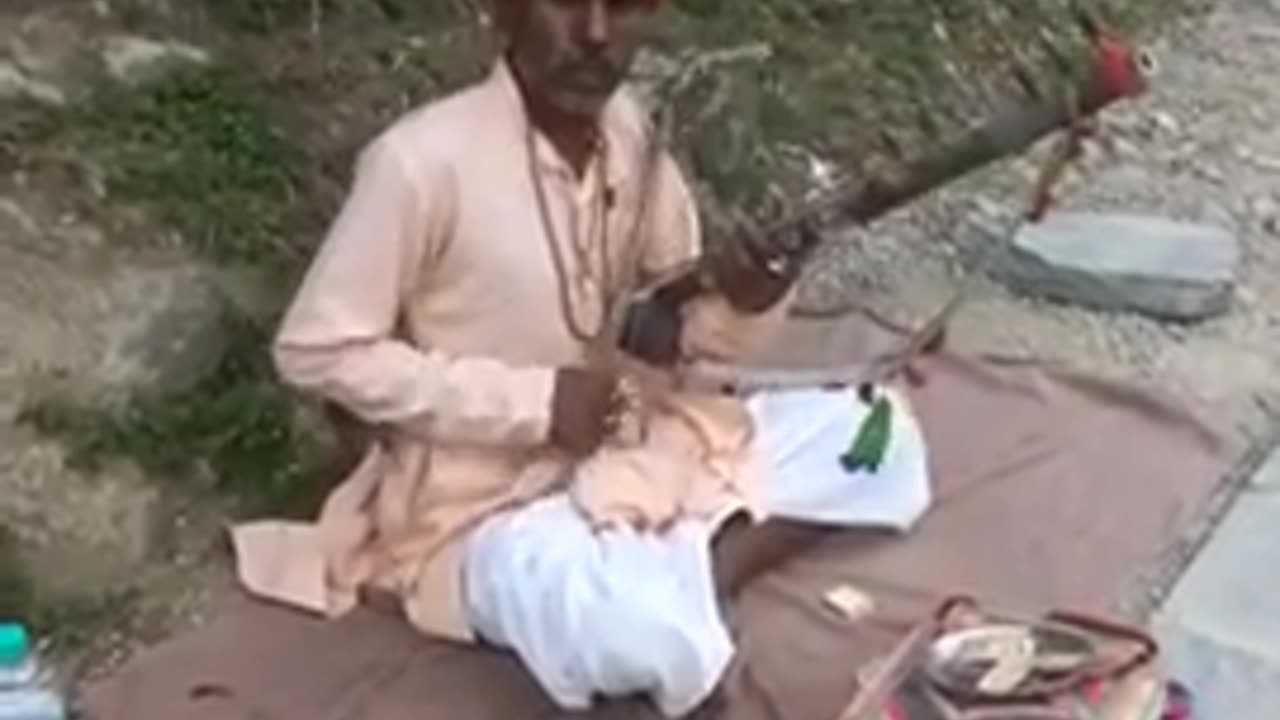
(872, 441)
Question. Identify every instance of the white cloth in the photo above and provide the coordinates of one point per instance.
(621, 612)
(609, 614)
(803, 433)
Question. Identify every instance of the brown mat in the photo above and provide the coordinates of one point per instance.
(1053, 489)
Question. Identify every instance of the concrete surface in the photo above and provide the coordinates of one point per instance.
(1220, 628)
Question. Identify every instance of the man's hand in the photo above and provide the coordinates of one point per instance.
(584, 409)
(651, 331)
(754, 273)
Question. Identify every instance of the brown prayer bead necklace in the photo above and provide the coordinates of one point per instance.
(581, 247)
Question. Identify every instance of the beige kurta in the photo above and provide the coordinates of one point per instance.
(431, 311)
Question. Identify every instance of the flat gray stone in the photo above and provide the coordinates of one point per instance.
(1132, 263)
(1220, 628)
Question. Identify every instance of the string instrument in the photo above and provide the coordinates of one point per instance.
(1113, 70)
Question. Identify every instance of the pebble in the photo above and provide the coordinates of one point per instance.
(1266, 162)
(16, 85)
(131, 59)
(1166, 122)
(1265, 210)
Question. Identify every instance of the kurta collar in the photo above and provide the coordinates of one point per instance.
(613, 126)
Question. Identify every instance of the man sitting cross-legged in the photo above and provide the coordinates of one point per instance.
(450, 309)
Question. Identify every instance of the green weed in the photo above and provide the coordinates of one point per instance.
(15, 585)
(261, 16)
(238, 424)
(71, 624)
(199, 148)
(68, 623)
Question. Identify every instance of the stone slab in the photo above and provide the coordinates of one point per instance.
(1220, 628)
(1132, 263)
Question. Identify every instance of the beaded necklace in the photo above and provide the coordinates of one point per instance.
(597, 239)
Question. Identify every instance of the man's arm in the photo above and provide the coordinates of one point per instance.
(338, 337)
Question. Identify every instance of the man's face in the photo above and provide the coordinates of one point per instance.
(573, 54)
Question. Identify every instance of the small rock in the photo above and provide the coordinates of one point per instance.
(1124, 148)
(1165, 122)
(988, 210)
(107, 328)
(1210, 173)
(1157, 267)
(1265, 211)
(1187, 149)
(134, 59)
(1265, 162)
(15, 85)
(167, 326)
(45, 43)
(46, 47)
(15, 222)
(74, 533)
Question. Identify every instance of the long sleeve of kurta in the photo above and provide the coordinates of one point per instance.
(339, 337)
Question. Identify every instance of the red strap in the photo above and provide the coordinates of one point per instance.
(1149, 647)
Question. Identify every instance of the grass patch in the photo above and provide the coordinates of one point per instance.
(237, 427)
(15, 585)
(72, 624)
(199, 148)
(261, 16)
(68, 624)
(267, 16)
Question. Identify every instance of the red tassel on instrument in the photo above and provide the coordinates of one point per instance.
(1119, 66)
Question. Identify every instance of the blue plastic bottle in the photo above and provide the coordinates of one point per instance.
(25, 690)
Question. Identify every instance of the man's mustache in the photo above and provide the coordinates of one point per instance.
(592, 72)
